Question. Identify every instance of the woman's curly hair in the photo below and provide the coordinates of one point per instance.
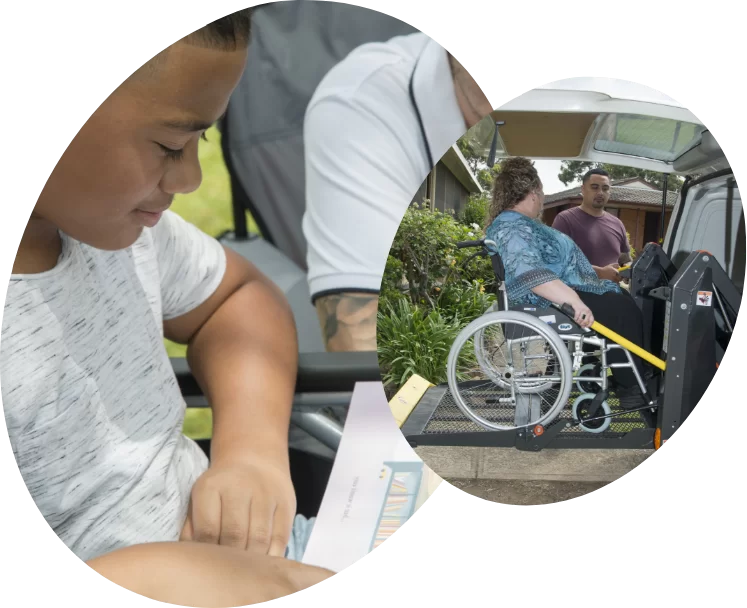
(517, 179)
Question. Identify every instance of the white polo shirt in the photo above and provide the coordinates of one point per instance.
(366, 155)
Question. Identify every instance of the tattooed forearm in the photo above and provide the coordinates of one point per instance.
(348, 321)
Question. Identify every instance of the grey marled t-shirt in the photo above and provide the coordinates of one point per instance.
(92, 405)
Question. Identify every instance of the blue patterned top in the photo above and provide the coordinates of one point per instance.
(533, 254)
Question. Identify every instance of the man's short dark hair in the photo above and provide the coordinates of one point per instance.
(591, 172)
(228, 33)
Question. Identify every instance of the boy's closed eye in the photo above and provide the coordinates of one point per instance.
(177, 153)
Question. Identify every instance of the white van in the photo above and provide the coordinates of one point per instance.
(618, 122)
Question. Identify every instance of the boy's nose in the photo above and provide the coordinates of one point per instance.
(184, 178)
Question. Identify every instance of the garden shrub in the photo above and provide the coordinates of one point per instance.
(412, 340)
(476, 210)
(429, 292)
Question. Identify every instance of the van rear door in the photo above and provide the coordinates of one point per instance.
(709, 216)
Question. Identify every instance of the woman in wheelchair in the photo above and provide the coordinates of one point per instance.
(544, 266)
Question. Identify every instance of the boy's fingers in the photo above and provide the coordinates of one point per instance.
(206, 516)
(260, 526)
(234, 524)
(282, 528)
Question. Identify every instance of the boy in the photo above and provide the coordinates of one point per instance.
(103, 273)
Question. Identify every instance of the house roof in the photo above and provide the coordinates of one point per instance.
(619, 194)
(458, 165)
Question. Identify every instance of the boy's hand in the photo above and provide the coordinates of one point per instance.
(244, 503)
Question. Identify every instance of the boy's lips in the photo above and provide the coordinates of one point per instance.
(148, 218)
(163, 207)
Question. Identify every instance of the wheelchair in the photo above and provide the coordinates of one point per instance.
(518, 367)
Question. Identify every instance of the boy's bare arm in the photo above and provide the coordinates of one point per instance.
(201, 575)
(348, 321)
(243, 352)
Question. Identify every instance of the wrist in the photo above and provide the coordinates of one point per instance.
(237, 448)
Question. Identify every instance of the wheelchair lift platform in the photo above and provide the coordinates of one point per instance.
(438, 421)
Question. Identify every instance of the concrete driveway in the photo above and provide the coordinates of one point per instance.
(511, 476)
(525, 492)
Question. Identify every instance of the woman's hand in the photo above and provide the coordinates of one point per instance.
(583, 315)
(558, 292)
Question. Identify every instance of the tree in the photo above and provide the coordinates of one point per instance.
(573, 170)
(468, 149)
(477, 161)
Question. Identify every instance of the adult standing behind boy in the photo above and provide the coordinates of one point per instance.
(377, 124)
(600, 235)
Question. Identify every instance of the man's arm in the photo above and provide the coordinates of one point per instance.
(192, 574)
(357, 190)
(624, 238)
(348, 321)
(561, 225)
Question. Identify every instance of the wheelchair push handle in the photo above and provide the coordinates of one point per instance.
(570, 312)
(567, 310)
(466, 244)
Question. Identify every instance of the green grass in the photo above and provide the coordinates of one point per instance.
(208, 208)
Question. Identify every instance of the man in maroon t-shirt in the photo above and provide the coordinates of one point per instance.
(600, 235)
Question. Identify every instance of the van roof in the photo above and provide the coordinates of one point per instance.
(598, 120)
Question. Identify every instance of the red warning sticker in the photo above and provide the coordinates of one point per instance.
(704, 298)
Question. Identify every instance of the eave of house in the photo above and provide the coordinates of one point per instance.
(457, 164)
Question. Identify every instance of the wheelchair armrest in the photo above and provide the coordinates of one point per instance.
(336, 372)
(317, 372)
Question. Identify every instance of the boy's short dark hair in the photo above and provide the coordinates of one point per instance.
(228, 33)
(591, 172)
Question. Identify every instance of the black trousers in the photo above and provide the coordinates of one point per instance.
(618, 312)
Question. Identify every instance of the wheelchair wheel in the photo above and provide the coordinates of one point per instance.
(482, 350)
(580, 408)
(589, 386)
(509, 370)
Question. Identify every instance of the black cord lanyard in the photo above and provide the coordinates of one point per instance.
(431, 164)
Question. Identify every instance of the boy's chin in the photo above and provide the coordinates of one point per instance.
(121, 240)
